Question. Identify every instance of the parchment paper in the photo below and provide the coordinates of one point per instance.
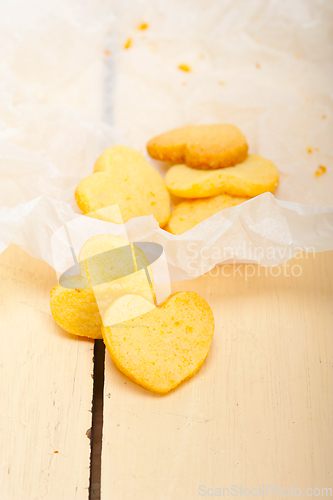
(69, 89)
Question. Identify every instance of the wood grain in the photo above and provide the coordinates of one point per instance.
(260, 410)
(46, 390)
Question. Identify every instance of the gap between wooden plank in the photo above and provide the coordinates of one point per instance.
(97, 421)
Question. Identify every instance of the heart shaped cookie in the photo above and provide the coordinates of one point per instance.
(110, 268)
(123, 177)
(190, 212)
(115, 268)
(107, 257)
(254, 176)
(201, 146)
(74, 307)
(165, 346)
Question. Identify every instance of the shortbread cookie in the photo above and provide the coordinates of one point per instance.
(110, 268)
(190, 212)
(201, 146)
(163, 347)
(252, 177)
(74, 307)
(115, 268)
(131, 305)
(108, 257)
(123, 177)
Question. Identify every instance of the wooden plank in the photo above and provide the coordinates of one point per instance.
(259, 412)
(46, 390)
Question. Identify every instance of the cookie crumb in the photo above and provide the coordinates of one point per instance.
(324, 117)
(128, 43)
(184, 67)
(258, 65)
(107, 52)
(309, 150)
(143, 26)
(56, 452)
(320, 171)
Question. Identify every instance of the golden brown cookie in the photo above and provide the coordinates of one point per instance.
(111, 268)
(74, 307)
(190, 212)
(201, 146)
(252, 177)
(123, 177)
(115, 268)
(163, 347)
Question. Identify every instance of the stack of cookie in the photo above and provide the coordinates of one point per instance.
(212, 171)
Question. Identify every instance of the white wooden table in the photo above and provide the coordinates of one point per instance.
(259, 412)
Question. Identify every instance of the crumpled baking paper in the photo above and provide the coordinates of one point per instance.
(69, 89)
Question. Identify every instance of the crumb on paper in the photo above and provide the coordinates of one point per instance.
(128, 43)
(143, 26)
(56, 452)
(107, 52)
(258, 65)
(309, 150)
(184, 67)
(320, 171)
(324, 117)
